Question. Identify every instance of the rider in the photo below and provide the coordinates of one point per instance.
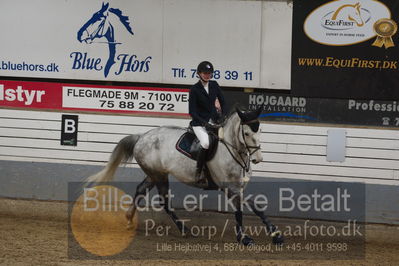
(206, 107)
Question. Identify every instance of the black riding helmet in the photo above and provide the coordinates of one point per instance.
(205, 67)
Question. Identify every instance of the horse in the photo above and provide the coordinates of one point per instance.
(101, 25)
(230, 168)
(350, 12)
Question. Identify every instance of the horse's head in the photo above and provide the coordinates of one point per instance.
(99, 25)
(94, 27)
(356, 16)
(250, 133)
(350, 12)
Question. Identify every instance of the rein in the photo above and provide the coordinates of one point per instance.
(245, 162)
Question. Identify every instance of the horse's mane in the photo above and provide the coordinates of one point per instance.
(124, 19)
(233, 110)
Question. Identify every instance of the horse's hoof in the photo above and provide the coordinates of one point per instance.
(247, 241)
(129, 226)
(186, 232)
(277, 238)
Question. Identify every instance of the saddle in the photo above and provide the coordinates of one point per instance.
(189, 145)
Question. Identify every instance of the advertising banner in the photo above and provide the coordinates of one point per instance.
(94, 98)
(174, 102)
(345, 49)
(152, 41)
(286, 108)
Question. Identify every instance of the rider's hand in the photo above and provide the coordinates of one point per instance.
(217, 106)
(211, 126)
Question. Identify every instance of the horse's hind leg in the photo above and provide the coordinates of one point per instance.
(143, 188)
(163, 189)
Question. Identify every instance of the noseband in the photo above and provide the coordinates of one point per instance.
(255, 124)
(245, 161)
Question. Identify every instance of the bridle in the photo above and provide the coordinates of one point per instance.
(99, 31)
(243, 161)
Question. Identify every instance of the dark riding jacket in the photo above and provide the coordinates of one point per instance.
(202, 105)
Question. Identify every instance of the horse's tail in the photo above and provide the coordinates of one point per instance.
(123, 152)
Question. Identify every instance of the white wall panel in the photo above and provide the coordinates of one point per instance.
(289, 151)
(276, 44)
(225, 32)
(55, 145)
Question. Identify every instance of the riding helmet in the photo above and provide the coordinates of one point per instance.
(205, 66)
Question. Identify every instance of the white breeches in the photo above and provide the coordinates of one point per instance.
(202, 136)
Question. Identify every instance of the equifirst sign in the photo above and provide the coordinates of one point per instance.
(345, 22)
(345, 49)
(79, 97)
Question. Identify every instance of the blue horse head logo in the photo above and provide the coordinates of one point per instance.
(100, 25)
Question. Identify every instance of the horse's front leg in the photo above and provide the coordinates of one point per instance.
(235, 198)
(277, 236)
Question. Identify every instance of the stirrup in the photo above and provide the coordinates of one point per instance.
(201, 181)
(200, 178)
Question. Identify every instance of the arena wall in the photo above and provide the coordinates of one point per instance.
(35, 166)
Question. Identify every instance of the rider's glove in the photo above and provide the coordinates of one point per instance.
(211, 126)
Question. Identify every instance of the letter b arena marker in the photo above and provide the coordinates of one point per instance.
(69, 130)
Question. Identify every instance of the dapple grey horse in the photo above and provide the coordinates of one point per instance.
(230, 169)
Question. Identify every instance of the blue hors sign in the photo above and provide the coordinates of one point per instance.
(131, 40)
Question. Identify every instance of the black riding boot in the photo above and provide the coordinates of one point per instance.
(200, 164)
